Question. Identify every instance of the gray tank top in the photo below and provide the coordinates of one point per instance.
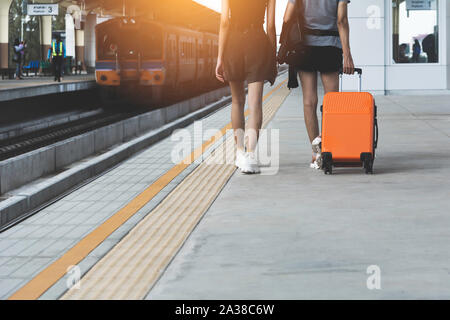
(322, 15)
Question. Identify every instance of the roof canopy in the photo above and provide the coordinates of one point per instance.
(179, 12)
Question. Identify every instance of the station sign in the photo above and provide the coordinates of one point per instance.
(43, 9)
(418, 5)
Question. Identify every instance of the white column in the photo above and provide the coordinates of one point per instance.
(89, 40)
(447, 38)
(46, 38)
(4, 32)
(70, 36)
(79, 47)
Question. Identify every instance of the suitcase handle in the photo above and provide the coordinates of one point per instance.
(375, 145)
(358, 71)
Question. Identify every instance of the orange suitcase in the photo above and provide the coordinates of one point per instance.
(349, 129)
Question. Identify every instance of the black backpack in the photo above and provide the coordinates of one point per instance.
(292, 35)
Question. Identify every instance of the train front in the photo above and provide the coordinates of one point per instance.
(130, 53)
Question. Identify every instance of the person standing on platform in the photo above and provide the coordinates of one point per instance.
(57, 53)
(416, 51)
(19, 47)
(247, 54)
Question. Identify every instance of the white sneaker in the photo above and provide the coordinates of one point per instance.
(317, 164)
(240, 157)
(250, 164)
(317, 145)
(317, 153)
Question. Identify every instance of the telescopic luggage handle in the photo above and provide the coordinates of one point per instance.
(358, 71)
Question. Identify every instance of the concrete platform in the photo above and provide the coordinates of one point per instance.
(302, 235)
(289, 233)
(39, 86)
(32, 246)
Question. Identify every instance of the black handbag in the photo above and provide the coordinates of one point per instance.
(292, 37)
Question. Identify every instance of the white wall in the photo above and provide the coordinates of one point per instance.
(418, 76)
(371, 44)
(367, 41)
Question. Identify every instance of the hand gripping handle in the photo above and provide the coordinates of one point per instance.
(358, 71)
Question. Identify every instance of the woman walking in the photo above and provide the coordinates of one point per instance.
(247, 54)
(325, 54)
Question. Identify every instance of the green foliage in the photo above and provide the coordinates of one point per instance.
(59, 22)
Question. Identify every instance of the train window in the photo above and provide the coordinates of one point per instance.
(172, 48)
(128, 43)
(107, 44)
(151, 41)
(169, 49)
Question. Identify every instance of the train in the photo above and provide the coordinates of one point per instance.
(146, 57)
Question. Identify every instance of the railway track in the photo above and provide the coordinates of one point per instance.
(16, 146)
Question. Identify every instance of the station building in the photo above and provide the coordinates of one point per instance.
(402, 45)
(383, 34)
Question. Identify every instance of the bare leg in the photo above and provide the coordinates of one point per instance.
(330, 81)
(237, 112)
(310, 100)
(255, 97)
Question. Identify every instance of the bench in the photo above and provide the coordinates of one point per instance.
(46, 68)
(33, 66)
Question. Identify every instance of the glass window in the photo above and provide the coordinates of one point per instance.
(128, 42)
(415, 31)
(151, 40)
(107, 42)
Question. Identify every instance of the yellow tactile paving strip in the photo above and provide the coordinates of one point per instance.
(133, 266)
(50, 275)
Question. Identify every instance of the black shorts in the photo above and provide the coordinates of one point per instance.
(249, 56)
(320, 59)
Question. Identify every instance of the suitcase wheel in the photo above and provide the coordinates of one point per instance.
(369, 168)
(327, 164)
(367, 160)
